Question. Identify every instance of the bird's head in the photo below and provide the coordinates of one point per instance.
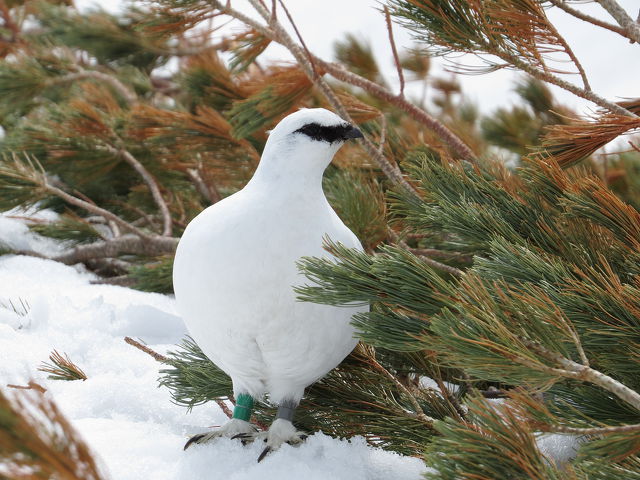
(308, 139)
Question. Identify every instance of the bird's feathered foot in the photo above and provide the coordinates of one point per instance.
(281, 431)
(234, 428)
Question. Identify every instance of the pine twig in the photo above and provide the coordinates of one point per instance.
(571, 369)
(456, 272)
(156, 356)
(588, 18)
(383, 133)
(555, 80)
(40, 442)
(281, 35)
(30, 386)
(589, 431)
(340, 73)
(154, 188)
(62, 368)
(8, 21)
(128, 243)
(419, 413)
(451, 139)
(396, 59)
(622, 17)
(295, 28)
(117, 85)
(162, 359)
(206, 189)
(33, 171)
(120, 281)
(444, 254)
(572, 56)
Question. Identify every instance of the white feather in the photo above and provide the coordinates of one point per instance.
(235, 270)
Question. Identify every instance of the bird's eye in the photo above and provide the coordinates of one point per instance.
(325, 134)
(312, 130)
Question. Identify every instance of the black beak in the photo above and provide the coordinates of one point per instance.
(352, 132)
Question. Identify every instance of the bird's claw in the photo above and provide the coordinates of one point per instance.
(234, 429)
(281, 431)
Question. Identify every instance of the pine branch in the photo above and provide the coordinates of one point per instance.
(571, 369)
(162, 359)
(125, 244)
(8, 22)
(519, 33)
(555, 80)
(37, 441)
(392, 42)
(572, 56)
(306, 62)
(422, 254)
(387, 168)
(62, 368)
(116, 84)
(418, 412)
(562, 4)
(156, 356)
(631, 27)
(207, 189)
(143, 242)
(151, 182)
(418, 114)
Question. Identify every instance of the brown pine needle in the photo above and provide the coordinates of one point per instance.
(37, 441)
(62, 368)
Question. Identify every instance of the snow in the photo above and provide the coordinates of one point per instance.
(130, 423)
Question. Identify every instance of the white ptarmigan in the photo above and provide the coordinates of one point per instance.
(235, 269)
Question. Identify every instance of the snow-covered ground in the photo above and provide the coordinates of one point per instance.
(130, 423)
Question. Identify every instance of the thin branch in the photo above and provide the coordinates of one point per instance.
(396, 59)
(207, 190)
(31, 386)
(588, 18)
(8, 21)
(572, 56)
(128, 243)
(582, 372)
(443, 254)
(419, 413)
(340, 73)
(295, 28)
(383, 133)
(553, 79)
(120, 87)
(622, 17)
(451, 398)
(90, 207)
(151, 183)
(162, 359)
(390, 170)
(589, 431)
(109, 265)
(456, 272)
(120, 281)
(457, 145)
(156, 356)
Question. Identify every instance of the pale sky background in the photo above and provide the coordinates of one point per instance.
(611, 62)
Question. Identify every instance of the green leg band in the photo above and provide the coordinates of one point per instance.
(244, 407)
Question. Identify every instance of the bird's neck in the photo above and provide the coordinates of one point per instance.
(289, 175)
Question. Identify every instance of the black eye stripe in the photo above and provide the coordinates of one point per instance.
(327, 134)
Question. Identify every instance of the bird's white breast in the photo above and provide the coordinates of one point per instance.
(234, 273)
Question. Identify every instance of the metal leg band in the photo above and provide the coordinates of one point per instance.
(286, 410)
